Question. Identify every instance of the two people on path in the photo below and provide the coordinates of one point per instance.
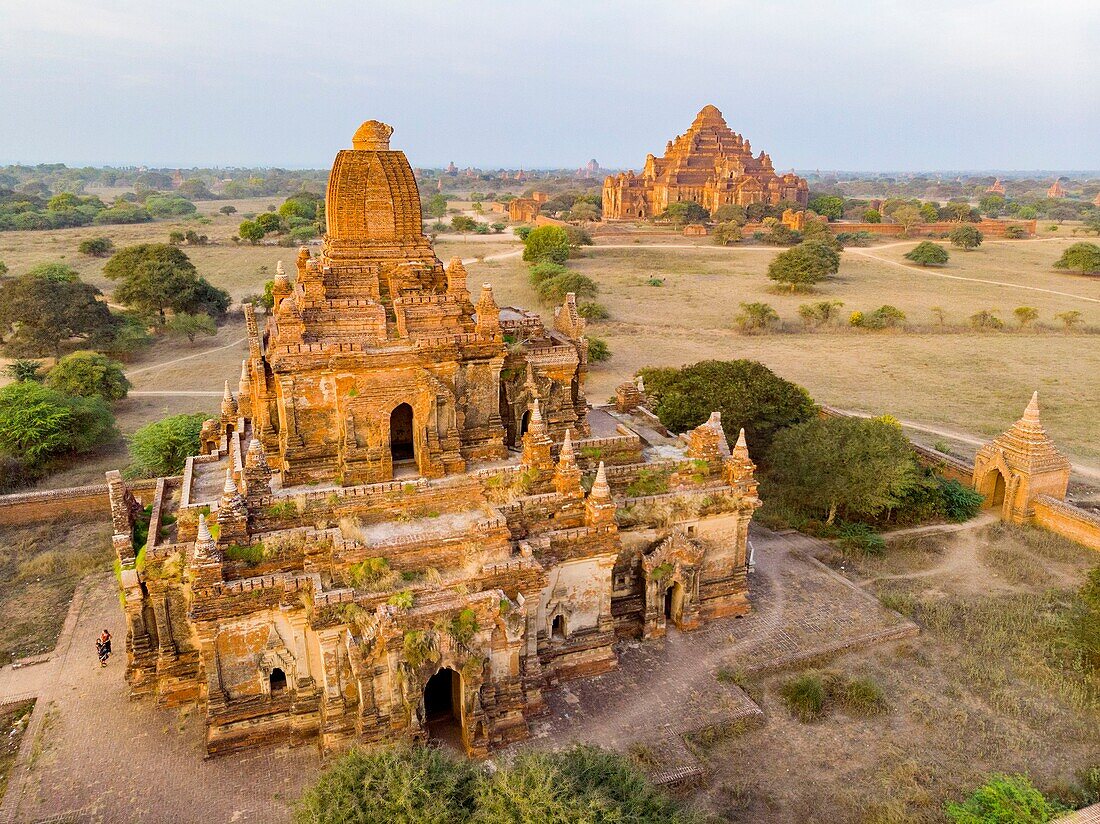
(103, 647)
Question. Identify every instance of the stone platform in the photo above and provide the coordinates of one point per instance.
(92, 755)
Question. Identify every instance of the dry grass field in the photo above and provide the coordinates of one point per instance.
(988, 686)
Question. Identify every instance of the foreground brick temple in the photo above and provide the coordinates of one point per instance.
(710, 165)
(408, 522)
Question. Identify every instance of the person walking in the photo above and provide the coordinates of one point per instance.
(103, 647)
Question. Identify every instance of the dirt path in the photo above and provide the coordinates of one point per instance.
(174, 361)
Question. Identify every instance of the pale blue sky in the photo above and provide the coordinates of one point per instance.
(829, 84)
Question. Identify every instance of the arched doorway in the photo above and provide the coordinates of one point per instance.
(277, 681)
(443, 706)
(401, 434)
(524, 422)
(674, 603)
(557, 628)
(997, 499)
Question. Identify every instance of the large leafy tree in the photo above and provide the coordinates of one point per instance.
(747, 393)
(966, 236)
(804, 265)
(155, 277)
(850, 468)
(928, 253)
(161, 447)
(38, 424)
(830, 206)
(1084, 257)
(546, 244)
(685, 211)
(89, 375)
(47, 306)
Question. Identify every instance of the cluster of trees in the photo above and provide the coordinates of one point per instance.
(299, 219)
(48, 417)
(413, 784)
(574, 205)
(830, 471)
(23, 211)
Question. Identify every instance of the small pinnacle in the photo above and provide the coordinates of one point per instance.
(1032, 411)
(741, 443)
(230, 487)
(204, 536)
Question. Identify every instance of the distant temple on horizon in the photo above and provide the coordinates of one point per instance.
(710, 165)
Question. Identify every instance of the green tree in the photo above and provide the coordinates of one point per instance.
(1003, 799)
(966, 236)
(155, 277)
(992, 204)
(89, 375)
(160, 448)
(756, 317)
(909, 217)
(1084, 257)
(747, 393)
(228, 210)
(684, 212)
(1025, 315)
(251, 231)
(985, 320)
(872, 216)
(928, 212)
(270, 222)
(804, 265)
(730, 213)
(437, 206)
(546, 243)
(727, 234)
(39, 424)
(552, 290)
(830, 206)
(48, 306)
(928, 253)
(188, 325)
(852, 468)
(463, 224)
(958, 212)
(96, 247)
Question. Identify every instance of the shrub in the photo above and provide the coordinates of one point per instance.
(598, 350)
(928, 253)
(96, 247)
(546, 243)
(859, 696)
(805, 697)
(885, 317)
(1025, 315)
(756, 317)
(821, 313)
(1084, 257)
(1003, 799)
(986, 321)
(726, 234)
(87, 375)
(544, 271)
(1069, 319)
(24, 369)
(590, 310)
(553, 290)
(160, 448)
(371, 573)
(856, 537)
(806, 264)
(1015, 232)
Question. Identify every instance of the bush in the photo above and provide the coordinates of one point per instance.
(96, 247)
(747, 393)
(590, 310)
(598, 350)
(928, 253)
(88, 375)
(966, 237)
(986, 321)
(161, 448)
(684, 212)
(554, 289)
(806, 264)
(1015, 232)
(885, 317)
(855, 537)
(756, 317)
(726, 234)
(544, 271)
(546, 243)
(1003, 800)
(805, 697)
(1084, 257)
(39, 424)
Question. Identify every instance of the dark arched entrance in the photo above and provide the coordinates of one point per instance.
(443, 706)
(998, 498)
(401, 434)
(277, 681)
(524, 422)
(674, 603)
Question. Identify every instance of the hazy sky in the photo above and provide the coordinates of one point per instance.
(829, 84)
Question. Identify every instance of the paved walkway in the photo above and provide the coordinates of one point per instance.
(92, 755)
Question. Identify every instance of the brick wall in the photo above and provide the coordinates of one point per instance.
(91, 502)
(1067, 520)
